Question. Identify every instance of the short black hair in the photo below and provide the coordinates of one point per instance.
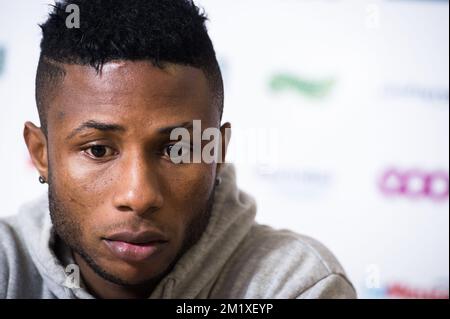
(160, 31)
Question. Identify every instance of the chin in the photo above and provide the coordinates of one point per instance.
(133, 275)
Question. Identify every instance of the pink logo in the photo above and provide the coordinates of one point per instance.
(398, 290)
(415, 183)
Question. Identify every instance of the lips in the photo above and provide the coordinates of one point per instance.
(135, 246)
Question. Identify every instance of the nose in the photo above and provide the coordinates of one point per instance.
(138, 189)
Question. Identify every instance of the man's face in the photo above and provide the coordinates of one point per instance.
(115, 195)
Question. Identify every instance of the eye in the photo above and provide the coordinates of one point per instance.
(180, 153)
(168, 150)
(99, 151)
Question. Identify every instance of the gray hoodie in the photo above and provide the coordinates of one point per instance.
(234, 258)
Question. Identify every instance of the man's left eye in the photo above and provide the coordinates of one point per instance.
(99, 151)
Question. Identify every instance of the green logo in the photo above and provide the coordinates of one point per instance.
(2, 59)
(311, 88)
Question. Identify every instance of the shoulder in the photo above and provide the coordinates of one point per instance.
(16, 262)
(10, 242)
(11, 249)
(282, 264)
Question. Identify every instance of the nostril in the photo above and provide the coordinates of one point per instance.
(142, 211)
(124, 208)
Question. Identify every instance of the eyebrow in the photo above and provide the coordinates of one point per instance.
(167, 130)
(110, 127)
(91, 124)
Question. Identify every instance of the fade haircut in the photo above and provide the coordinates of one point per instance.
(158, 31)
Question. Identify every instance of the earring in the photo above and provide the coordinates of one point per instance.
(42, 180)
(218, 181)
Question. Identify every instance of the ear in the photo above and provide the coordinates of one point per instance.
(37, 147)
(225, 134)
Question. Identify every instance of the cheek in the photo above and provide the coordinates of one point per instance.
(189, 191)
(82, 188)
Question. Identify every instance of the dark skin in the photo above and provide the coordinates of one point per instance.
(133, 184)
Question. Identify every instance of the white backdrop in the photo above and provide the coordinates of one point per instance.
(344, 103)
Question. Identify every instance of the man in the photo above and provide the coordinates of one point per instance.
(121, 218)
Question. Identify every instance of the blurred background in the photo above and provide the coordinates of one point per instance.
(340, 115)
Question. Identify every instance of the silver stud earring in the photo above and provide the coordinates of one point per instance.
(42, 180)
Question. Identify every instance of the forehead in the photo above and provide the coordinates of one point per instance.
(137, 92)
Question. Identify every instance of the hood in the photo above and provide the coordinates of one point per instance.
(231, 219)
